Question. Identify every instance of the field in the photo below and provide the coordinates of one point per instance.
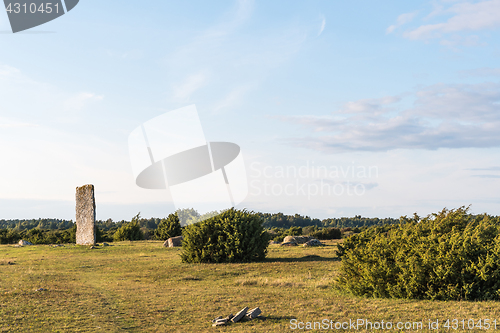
(143, 287)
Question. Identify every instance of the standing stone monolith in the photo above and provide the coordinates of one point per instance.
(85, 215)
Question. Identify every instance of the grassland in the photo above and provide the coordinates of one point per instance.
(143, 287)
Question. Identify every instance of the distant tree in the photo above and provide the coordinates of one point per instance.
(168, 227)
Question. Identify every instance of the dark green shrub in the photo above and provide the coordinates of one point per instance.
(449, 255)
(231, 236)
(168, 227)
(130, 231)
(278, 234)
(9, 236)
(327, 233)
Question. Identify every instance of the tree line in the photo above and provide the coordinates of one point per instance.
(279, 225)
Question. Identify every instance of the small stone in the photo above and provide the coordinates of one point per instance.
(41, 289)
(219, 317)
(92, 247)
(229, 317)
(173, 242)
(219, 323)
(239, 315)
(24, 243)
(313, 242)
(254, 313)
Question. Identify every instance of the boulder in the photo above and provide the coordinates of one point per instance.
(24, 243)
(288, 244)
(302, 239)
(173, 242)
(297, 239)
(240, 315)
(254, 313)
(313, 242)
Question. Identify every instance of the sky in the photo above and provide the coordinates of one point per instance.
(340, 108)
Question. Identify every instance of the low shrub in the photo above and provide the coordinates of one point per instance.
(327, 233)
(38, 236)
(232, 236)
(278, 234)
(451, 255)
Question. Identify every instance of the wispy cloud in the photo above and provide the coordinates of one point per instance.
(233, 99)
(493, 168)
(484, 71)
(323, 25)
(12, 123)
(218, 60)
(373, 105)
(465, 17)
(442, 116)
(78, 101)
(401, 20)
(191, 84)
(486, 176)
(26, 101)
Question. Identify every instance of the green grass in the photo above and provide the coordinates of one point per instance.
(143, 287)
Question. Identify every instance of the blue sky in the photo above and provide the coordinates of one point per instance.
(407, 90)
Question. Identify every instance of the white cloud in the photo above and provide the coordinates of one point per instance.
(484, 71)
(466, 17)
(442, 116)
(374, 105)
(218, 60)
(78, 101)
(233, 99)
(401, 20)
(25, 100)
(191, 84)
(12, 123)
(323, 25)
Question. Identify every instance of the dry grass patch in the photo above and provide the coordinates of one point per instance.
(118, 288)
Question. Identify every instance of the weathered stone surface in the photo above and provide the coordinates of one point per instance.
(219, 322)
(24, 243)
(297, 239)
(254, 313)
(173, 242)
(85, 215)
(217, 318)
(313, 242)
(240, 315)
